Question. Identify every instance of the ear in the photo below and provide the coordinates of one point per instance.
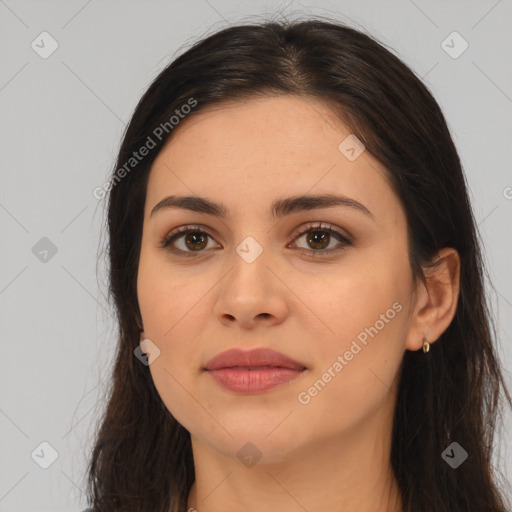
(436, 299)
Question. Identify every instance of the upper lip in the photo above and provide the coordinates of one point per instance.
(252, 358)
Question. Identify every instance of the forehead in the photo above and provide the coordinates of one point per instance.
(255, 150)
(240, 128)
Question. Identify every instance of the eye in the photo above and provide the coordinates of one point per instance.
(318, 236)
(194, 239)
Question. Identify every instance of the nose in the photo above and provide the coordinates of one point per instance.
(252, 294)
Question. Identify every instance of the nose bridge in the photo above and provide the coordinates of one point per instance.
(250, 289)
(252, 240)
(251, 260)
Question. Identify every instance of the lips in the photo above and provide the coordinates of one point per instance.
(253, 359)
(253, 371)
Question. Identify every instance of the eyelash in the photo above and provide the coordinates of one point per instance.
(184, 230)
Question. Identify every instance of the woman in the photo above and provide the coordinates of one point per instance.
(298, 281)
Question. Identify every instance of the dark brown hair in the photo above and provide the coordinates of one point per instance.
(142, 458)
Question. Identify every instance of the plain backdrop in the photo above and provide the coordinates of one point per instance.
(62, 117)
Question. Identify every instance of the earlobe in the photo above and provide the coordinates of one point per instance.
(436, 300)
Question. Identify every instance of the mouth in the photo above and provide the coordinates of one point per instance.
(251, 367)
(255, 379)
(253, 371)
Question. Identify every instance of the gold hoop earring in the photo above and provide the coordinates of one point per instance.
(426, 345)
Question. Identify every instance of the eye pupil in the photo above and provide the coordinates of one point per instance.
(314, 236)
(195, 237)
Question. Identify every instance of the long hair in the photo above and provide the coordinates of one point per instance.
(142, 457)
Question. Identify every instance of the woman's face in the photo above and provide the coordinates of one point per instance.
(340, 306)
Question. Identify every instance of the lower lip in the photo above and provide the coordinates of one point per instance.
(241, 380)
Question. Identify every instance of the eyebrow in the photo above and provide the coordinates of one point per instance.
(280, 207)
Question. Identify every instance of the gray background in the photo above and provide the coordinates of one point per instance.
(62, 119)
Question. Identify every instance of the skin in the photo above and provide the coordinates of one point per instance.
(311, 308)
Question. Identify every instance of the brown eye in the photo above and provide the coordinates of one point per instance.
(196, 240)
(318, 239)
(186, 241)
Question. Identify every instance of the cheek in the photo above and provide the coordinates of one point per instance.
(354, 376)
(356, 364)
(365, 303)
(164, 294)
(171, 314)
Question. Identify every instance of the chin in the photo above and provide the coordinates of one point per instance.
(266, 439)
